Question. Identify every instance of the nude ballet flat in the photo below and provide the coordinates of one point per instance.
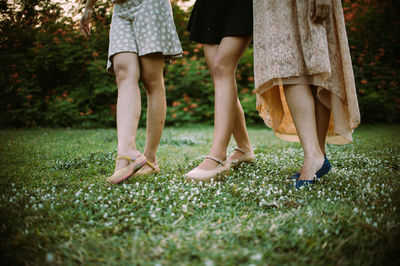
(123, 174)
(153, 169)
(199, 175)
(247, 157)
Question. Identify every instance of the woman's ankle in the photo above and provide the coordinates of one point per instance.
(245, 148)
(128, 152)
(314, 154)
(219, 156)
(150, 156)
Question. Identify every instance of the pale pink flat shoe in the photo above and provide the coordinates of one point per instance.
(135, 163)
(247, 157)
(199, 175)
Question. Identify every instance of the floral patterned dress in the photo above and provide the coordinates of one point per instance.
(290, 49)
(142, 27)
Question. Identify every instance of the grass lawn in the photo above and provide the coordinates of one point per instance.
(56, 207)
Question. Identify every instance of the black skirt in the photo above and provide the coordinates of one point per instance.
(212, 20)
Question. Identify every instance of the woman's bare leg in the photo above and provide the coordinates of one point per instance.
(240, 133)
(127, 72)
(222, 61)
(322, 116)
(152, 66)
(239, 129)
(301, 104)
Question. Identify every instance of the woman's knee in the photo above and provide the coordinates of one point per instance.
(222, 67)
(123, 71)
(126, 66)
(153, 82)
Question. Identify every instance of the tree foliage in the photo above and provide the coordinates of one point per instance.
(373, 28)
(52, 76)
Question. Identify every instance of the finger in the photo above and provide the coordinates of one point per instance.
(327, 11)
(312, 10)
(318, 11)
(323, 15)
(87, 30)
(81, 29)
(87, 26)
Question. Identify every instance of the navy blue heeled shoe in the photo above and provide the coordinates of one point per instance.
(295, 176)
(303, 183)
(326, 167)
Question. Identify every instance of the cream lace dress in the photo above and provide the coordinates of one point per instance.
(290, 49)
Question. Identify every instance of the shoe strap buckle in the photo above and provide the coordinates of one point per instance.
(215, 159)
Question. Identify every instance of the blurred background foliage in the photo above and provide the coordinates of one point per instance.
(52, 76)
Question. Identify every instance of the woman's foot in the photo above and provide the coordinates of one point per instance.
(148, 168)
(120, 164)
(208, 163)
(241, 156)
(310, 166)
(208, 170)
(323, 170)
(126, 165)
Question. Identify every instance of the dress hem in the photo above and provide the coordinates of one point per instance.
(216, 41)
(168, 56)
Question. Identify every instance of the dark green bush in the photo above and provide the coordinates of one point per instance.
(373, 29)
(51, 76)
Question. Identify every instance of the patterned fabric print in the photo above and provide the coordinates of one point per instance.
(290, 49)
(118, 1)
(143, 27)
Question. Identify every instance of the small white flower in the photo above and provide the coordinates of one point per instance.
(300, 231)
(257, 256)
(208, 263)
(49, 257)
